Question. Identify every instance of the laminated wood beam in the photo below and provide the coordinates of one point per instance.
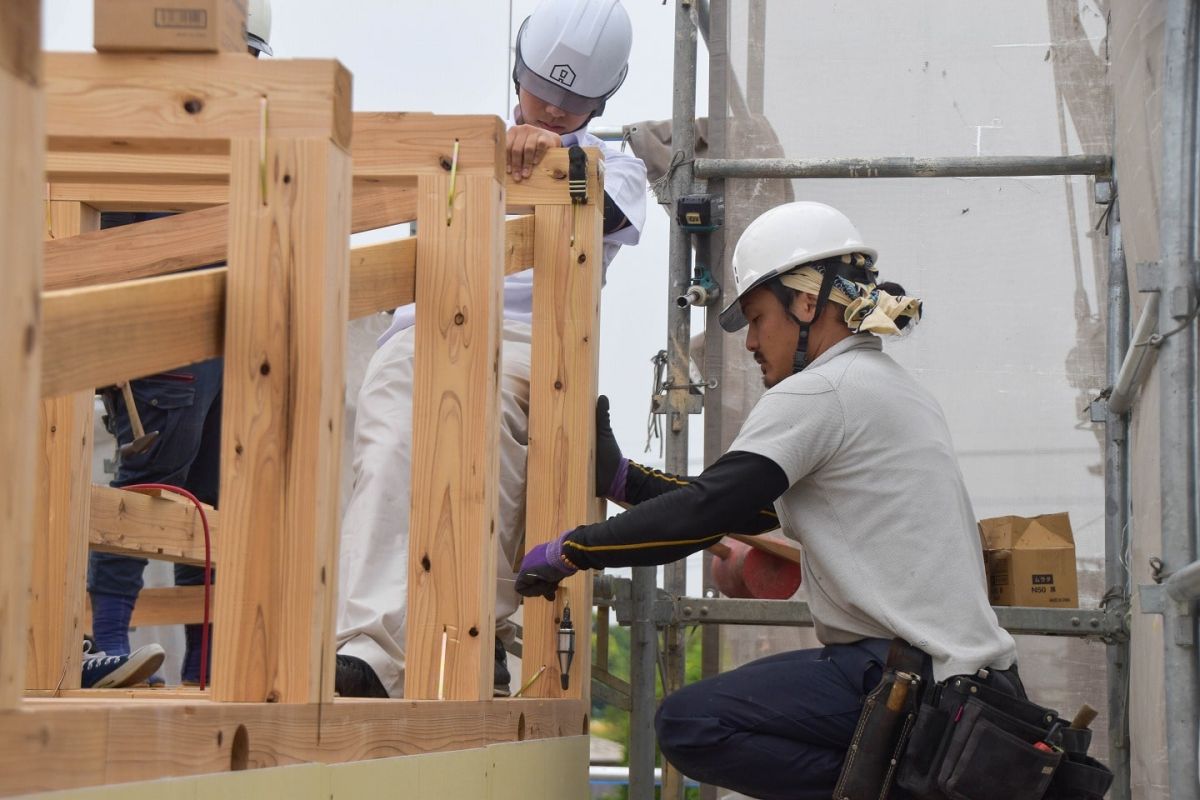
(562, 419)
(456, 404)
(21, 154)
(166, 322)
(178, 737)
(281, 431)
(182, 102)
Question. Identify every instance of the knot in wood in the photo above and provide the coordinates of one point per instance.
(193, 105)
(459, 319)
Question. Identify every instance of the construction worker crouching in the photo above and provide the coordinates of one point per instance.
(851, 457)
(571, 56)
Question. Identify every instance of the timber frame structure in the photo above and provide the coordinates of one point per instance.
(272, 172)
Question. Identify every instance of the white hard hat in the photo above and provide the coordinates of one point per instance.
(782, 239)
(258, 26)
(574, 53)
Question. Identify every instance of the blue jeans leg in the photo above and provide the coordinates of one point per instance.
(777, 728)
(184, 406)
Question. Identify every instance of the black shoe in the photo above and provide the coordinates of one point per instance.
(500, 676)
(355, 678)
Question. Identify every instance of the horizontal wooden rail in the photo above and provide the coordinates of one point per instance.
(164, 605)
(99, 335)
(174, 738)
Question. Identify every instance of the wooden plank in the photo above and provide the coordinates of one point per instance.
(456, 404)
(181, 737)
(281, 432)
(21, 155)
(139, 197)
(389, 145)
(98, 335)
(106, 101)
(562, 400)
(135, 524)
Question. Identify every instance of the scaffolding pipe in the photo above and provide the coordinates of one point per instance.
(1116, 511)
(1138, 360)
(679, 332)
(1177, 385)
(904, 167)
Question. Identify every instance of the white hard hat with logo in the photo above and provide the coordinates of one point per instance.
(574, 53)
(258, 26)
(782, 239)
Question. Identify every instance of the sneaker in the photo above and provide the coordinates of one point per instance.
(500, 675)
(102, 671)
(355, 678)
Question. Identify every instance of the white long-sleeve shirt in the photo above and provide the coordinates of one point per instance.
(624, 182)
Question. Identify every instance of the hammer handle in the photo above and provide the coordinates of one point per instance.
(131, 407)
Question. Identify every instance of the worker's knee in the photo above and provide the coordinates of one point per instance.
(687, 736)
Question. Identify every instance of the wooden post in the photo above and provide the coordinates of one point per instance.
(63, 510)
(456, 405)
(562, 436)
(282, 420)
(22, 148)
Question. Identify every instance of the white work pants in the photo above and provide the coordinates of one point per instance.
(373, 570)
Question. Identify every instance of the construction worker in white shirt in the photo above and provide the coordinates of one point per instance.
(850, 456)
(571, 57)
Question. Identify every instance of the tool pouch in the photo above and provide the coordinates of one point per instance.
(883, 727)
(974, 742)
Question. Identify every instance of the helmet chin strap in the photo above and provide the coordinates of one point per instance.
(786, 295)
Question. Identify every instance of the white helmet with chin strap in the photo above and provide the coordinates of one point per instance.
(574, 53)
(784, 238)
(258, 27)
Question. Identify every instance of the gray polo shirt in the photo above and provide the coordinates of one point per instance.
(877, 500)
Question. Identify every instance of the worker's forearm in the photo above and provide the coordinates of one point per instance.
(734, 495)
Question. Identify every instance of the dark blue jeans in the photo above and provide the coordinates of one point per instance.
(777, 728)
(184, 406)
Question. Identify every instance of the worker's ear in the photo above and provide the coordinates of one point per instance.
(804, 306)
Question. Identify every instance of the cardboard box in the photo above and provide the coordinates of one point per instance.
(1030, 561)
(193, 26)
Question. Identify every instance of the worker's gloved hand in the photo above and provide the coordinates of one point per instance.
(611, 467)
(543, 568)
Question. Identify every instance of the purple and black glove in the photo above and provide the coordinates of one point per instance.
(543, 568)
(611, 467)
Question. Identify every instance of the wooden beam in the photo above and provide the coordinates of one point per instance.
(100, 335)
(178, 737)
(104, 101)
(562, 399)
(456, 406)
(166, 322)
(134, 524)
(64, 473)
(22, 151)
(141, 250)
(281, 434)
(383, 276)
(548, 183)
(390, 145)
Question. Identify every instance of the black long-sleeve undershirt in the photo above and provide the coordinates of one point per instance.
(673, 516)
